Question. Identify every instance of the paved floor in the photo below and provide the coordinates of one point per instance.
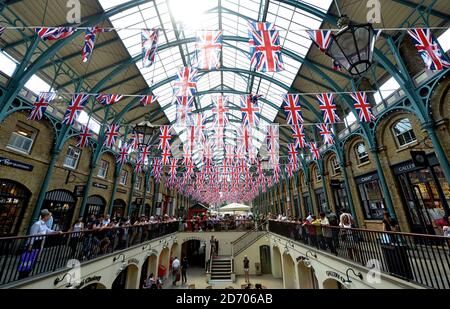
(197, 277)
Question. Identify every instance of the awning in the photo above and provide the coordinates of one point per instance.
(60, 196)
(95, 200)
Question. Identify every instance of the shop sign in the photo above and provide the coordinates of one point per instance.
(87, 281)
(336, 184)
(404, 168)
(121, 191)
(78, 191)
(367, 178)
(16, 164)
(336, 276)
(99, 185)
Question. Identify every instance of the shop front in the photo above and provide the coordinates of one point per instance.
(321, 200)
(339, 196)
(118, 209)
(425, 194)
(95, 205)
(370, 194)
(14, 199)
(61, 203)
(307, 203)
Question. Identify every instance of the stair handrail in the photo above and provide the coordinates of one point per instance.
(259, 228)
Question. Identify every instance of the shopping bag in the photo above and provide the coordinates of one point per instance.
(27, 260)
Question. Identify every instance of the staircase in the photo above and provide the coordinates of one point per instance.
(248, 239)
(221, 269)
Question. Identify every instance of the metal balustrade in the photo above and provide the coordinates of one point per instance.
(28, 256)
(418, 258)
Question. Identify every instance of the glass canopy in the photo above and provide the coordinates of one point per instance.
(180, 19)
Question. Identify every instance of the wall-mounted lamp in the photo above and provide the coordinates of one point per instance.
(118, 257)
(149, 246)
(57, 280)
(305, 260)
(348, 281)
(312, 254)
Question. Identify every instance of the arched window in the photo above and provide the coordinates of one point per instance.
(404, 132)
(335, 165)
(361, 153)
(316, 174)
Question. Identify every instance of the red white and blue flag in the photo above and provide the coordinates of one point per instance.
(208, 47)
(149, 46)
(292, 151)
(298, 134)
(138, 165)
(89, 41)
(250, 110)
(220, 111)
(83, 139)
(184, 110)
(135, 140)
(40, 105)
(123, 154)
(364, 108)
(54, 33)
(428, 48)
(165, 137)
(77, 104)
(314, 151)
(108, 99)
(292, 108)
(186, 83)
(165, 155)
(265, 48)
(328, 108)
(321, 38)
(326, 133)
(148, 100)
(111, 134)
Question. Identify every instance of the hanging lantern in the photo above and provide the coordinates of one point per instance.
(352, 47)
(145, 131)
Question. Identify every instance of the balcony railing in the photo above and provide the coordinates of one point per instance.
(418, 258)
(28, 256)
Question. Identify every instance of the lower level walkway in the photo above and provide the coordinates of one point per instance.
(197, 277)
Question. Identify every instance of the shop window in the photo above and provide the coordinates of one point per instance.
(123, 178)
(403, 132)
(372, 200)
(72, 157)
(137, 184)
(22, 138)
(103, 169)
(336, 166)
(361, 153)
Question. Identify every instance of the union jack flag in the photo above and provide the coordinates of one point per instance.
(298, 134)
(83, 140)
(314, 151)
(289, 170)
(321, 38)
(363, 106)
(147, 100)
(79, 101)
(199, 126)
(149, 46)
(250, 110)
(184, 109)
(135, 140)
(123, 154)
(292, 151)
(40, 105)
(266, 51)
(89, 41)
(186, 82)
(209, 45)
(328, 108)
(108, 99)
(138, 165)
(220, 111)
(54, 33)
(173, 166)
(165, 156)
(326, 133)
(292, 109)
(165, 137)
(273, 137)
(111, 134)
(428, 48)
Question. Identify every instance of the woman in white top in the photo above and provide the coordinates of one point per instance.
(347, 237)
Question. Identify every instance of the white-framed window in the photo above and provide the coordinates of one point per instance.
(335, 165)
(103, 169)
(317, 175)
(123, 178)
(72, 157)
(149, 187)
(403, 132)
(22, 138)
(137, 184)
(361, 153)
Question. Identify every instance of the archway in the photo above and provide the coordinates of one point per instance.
(195, 253)
(174, 251)
(118, 209)
(288, 272)
(306, 277)
(333, 284)
(148, 267)
(127, 279)
(276, 262)
(61, 203)
(264, 254)
(163, 263)
(95, 205)
(14, 198)
(94, 286)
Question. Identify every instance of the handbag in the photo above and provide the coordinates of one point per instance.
(27, 260)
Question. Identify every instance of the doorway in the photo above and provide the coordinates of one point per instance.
(13, 201)
(195, 253)
(264, 253)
